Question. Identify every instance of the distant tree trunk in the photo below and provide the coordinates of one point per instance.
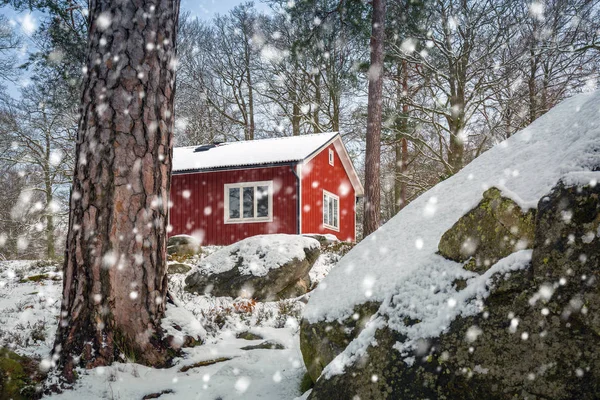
(373, 149)
(317, 128)
(295, 111)
(115, 280)
(50, 239)
(251, 127)
(335, 118)
(50, 245)
(531, 85)
(456, 120)
(401, 145)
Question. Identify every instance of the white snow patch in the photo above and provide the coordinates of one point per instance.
(581, 178)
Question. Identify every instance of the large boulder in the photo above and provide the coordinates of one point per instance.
(536, 337)
(492, 230)
(495, 228)
(183, 245)
(264, 267)
(467, 287)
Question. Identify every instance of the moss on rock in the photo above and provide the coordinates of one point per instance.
(19, 377)
(321, 342)
(495, 228)
(178, 268)
(183, 245)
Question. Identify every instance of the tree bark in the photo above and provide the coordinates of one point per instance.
(372, 204)
(115, 280)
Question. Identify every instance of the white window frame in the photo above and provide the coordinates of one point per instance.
(331, 157)
(240, 186)
(336, 199)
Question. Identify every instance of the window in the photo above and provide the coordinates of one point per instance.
(331, 211)
(330, 156)
(248, 202)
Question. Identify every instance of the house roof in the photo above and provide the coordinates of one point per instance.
(249, 153)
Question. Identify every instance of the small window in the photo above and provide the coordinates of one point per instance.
(330, 157)
(331, 211)
(248, 202)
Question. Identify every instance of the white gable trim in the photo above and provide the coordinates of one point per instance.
(299, 212)
(359, 190)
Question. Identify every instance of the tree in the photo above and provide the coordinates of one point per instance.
(115, 283)
(38, 137)
(373, 149)
(8, 42)
(21, 219)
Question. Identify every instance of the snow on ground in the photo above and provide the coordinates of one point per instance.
(29, 314)
(236, 374)
(257, 255)
(398, 264)
(30, 294)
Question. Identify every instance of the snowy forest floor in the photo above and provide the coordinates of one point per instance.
(220, 368)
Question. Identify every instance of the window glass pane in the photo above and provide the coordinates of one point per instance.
(330, 210)
(262, 201)
(325, 213)
(248, 202)
(234, 203)
(335, 212)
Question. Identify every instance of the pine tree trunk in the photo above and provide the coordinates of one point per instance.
(115, 267)
(373, 149)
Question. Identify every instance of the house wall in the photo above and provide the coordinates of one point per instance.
(317, 175)
(203, 211)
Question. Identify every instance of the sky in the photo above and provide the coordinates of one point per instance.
(206, 9)
(26, 22)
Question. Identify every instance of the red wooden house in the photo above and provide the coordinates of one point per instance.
(302, 184)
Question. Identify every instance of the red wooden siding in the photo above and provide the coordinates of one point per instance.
(317, 175)
(203, 211)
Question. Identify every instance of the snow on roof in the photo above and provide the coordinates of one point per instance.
(398, 265)
(250, 152)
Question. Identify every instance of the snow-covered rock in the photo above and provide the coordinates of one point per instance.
(426, 327)
(262, 267)
(184, 245)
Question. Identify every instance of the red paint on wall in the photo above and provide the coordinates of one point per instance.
(198, 204)
(317, 175)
